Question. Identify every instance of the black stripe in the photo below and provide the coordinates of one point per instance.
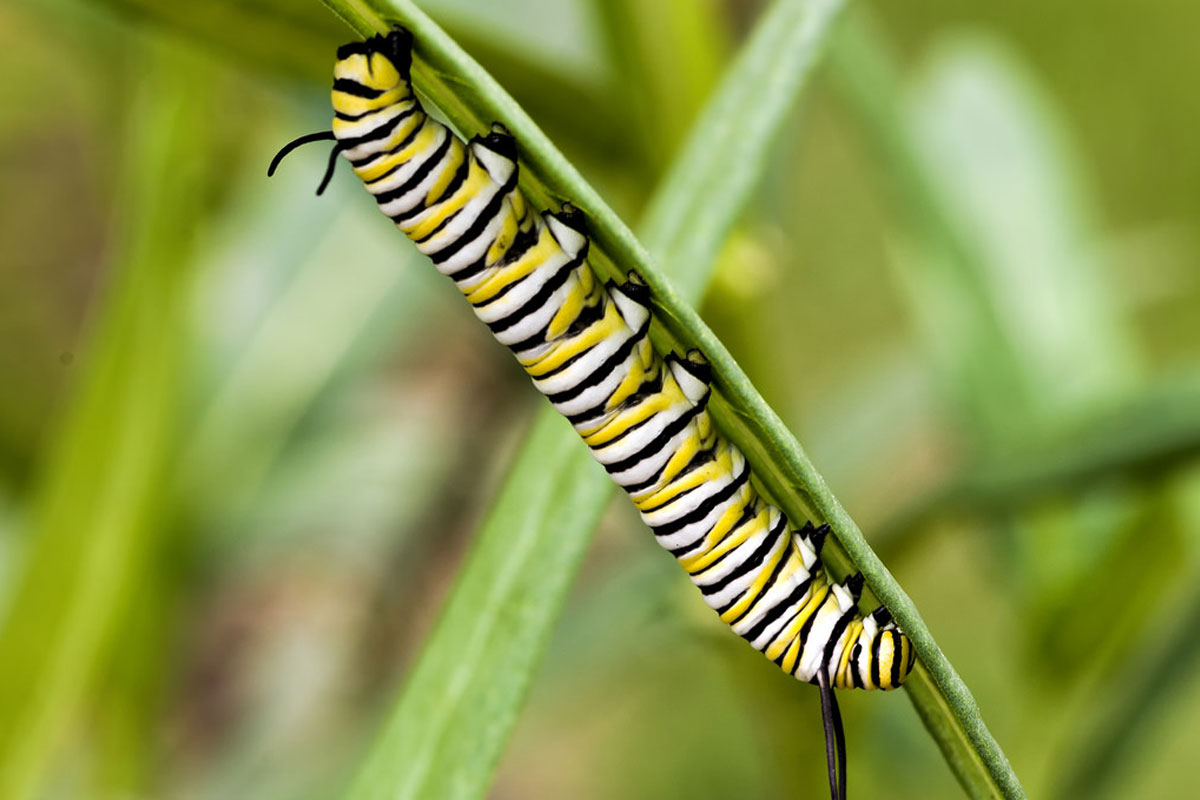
(471, 270)
(533, 304)
(357, 117)
(666, 503)
(699, 459)
(755, 560)
(480, 223)
(598, 410)
(405, 142)
(589, 315)
(647, 388)
(856, 679)
(446, 220)
(458, 178)
(505, 289)
(876, 680)
(701, 511)
(835, 633)
(456, 181)
(353, 87)
(536, 340)
(635, 426)
(778, 610)
(655, 445)
(653, 480)
(896, 658)
(770, 584)
(360, 48)
(378, 132)
(419, 174)
(806, 629)
(520, 244)
(601, 373)
(748, 513)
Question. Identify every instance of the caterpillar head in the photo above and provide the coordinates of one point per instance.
(372, 74)
(395, 49)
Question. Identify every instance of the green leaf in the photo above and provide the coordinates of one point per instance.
(471, 99)
(105, 488)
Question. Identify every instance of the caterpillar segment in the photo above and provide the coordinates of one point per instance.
(585, 345)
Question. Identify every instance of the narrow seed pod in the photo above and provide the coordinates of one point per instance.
(585, 345)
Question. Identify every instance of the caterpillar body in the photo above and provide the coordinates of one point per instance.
(584, 343)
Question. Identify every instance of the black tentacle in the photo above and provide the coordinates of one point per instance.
(840, 733)
(333, 154)
(319, 136)
(835, 737)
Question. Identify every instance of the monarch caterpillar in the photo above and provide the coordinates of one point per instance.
(584, 343)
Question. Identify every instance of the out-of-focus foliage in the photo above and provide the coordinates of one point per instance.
(246, 435)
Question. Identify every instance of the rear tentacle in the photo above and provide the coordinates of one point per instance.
(835, 737)
(333, 154)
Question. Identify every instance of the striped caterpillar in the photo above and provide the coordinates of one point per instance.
(584, 343)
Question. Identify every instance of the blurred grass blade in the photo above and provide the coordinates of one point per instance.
(1151, 684)
(995, 146)
(318, 328)
(106, 485)
(276, 36)
(667, 56)
(868, 82)
(449, 748)
(458, 708)
(1003, 236)
(1144, 439)
(725, 157)
(281, 38)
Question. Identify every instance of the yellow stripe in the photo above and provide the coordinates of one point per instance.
(421, 142)
(701, 562)
(477, 180)
(816, 598)
(353, 105)
(608, 326)
(542, 251)
(853, 631)
(886, 656)
(720, 466)
(757, 590)
(793, 655)
(504, 236)
(658, 404)
(581, 291)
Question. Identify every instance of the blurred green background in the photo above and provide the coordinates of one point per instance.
(246, 434)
